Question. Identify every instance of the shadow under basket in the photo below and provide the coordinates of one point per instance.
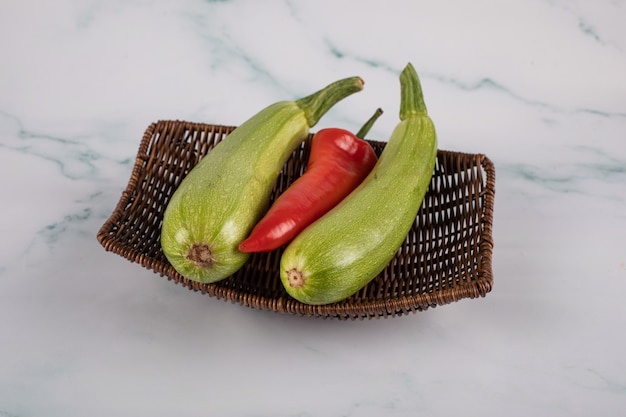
(445, 257)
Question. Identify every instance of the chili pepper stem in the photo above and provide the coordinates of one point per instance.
(411, 96)
(368, 125)
(318, 103)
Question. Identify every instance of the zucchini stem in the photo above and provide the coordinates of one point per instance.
(317, 104)
(411, 96)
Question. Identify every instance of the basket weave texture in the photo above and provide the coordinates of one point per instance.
(445, 257)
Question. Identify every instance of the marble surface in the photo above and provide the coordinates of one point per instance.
(538, 86)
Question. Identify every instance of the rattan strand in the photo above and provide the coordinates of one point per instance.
(446, 255)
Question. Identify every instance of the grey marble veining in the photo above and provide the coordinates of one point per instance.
(536, 86)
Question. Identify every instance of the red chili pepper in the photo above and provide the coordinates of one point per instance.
(338, 163)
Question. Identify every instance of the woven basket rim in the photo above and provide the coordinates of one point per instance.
(355, 309)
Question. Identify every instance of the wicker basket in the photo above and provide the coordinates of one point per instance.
(446, 256)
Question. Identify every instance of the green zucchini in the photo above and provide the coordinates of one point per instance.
(346, 248)
(224, 195)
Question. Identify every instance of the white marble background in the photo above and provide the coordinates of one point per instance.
(539, 86)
